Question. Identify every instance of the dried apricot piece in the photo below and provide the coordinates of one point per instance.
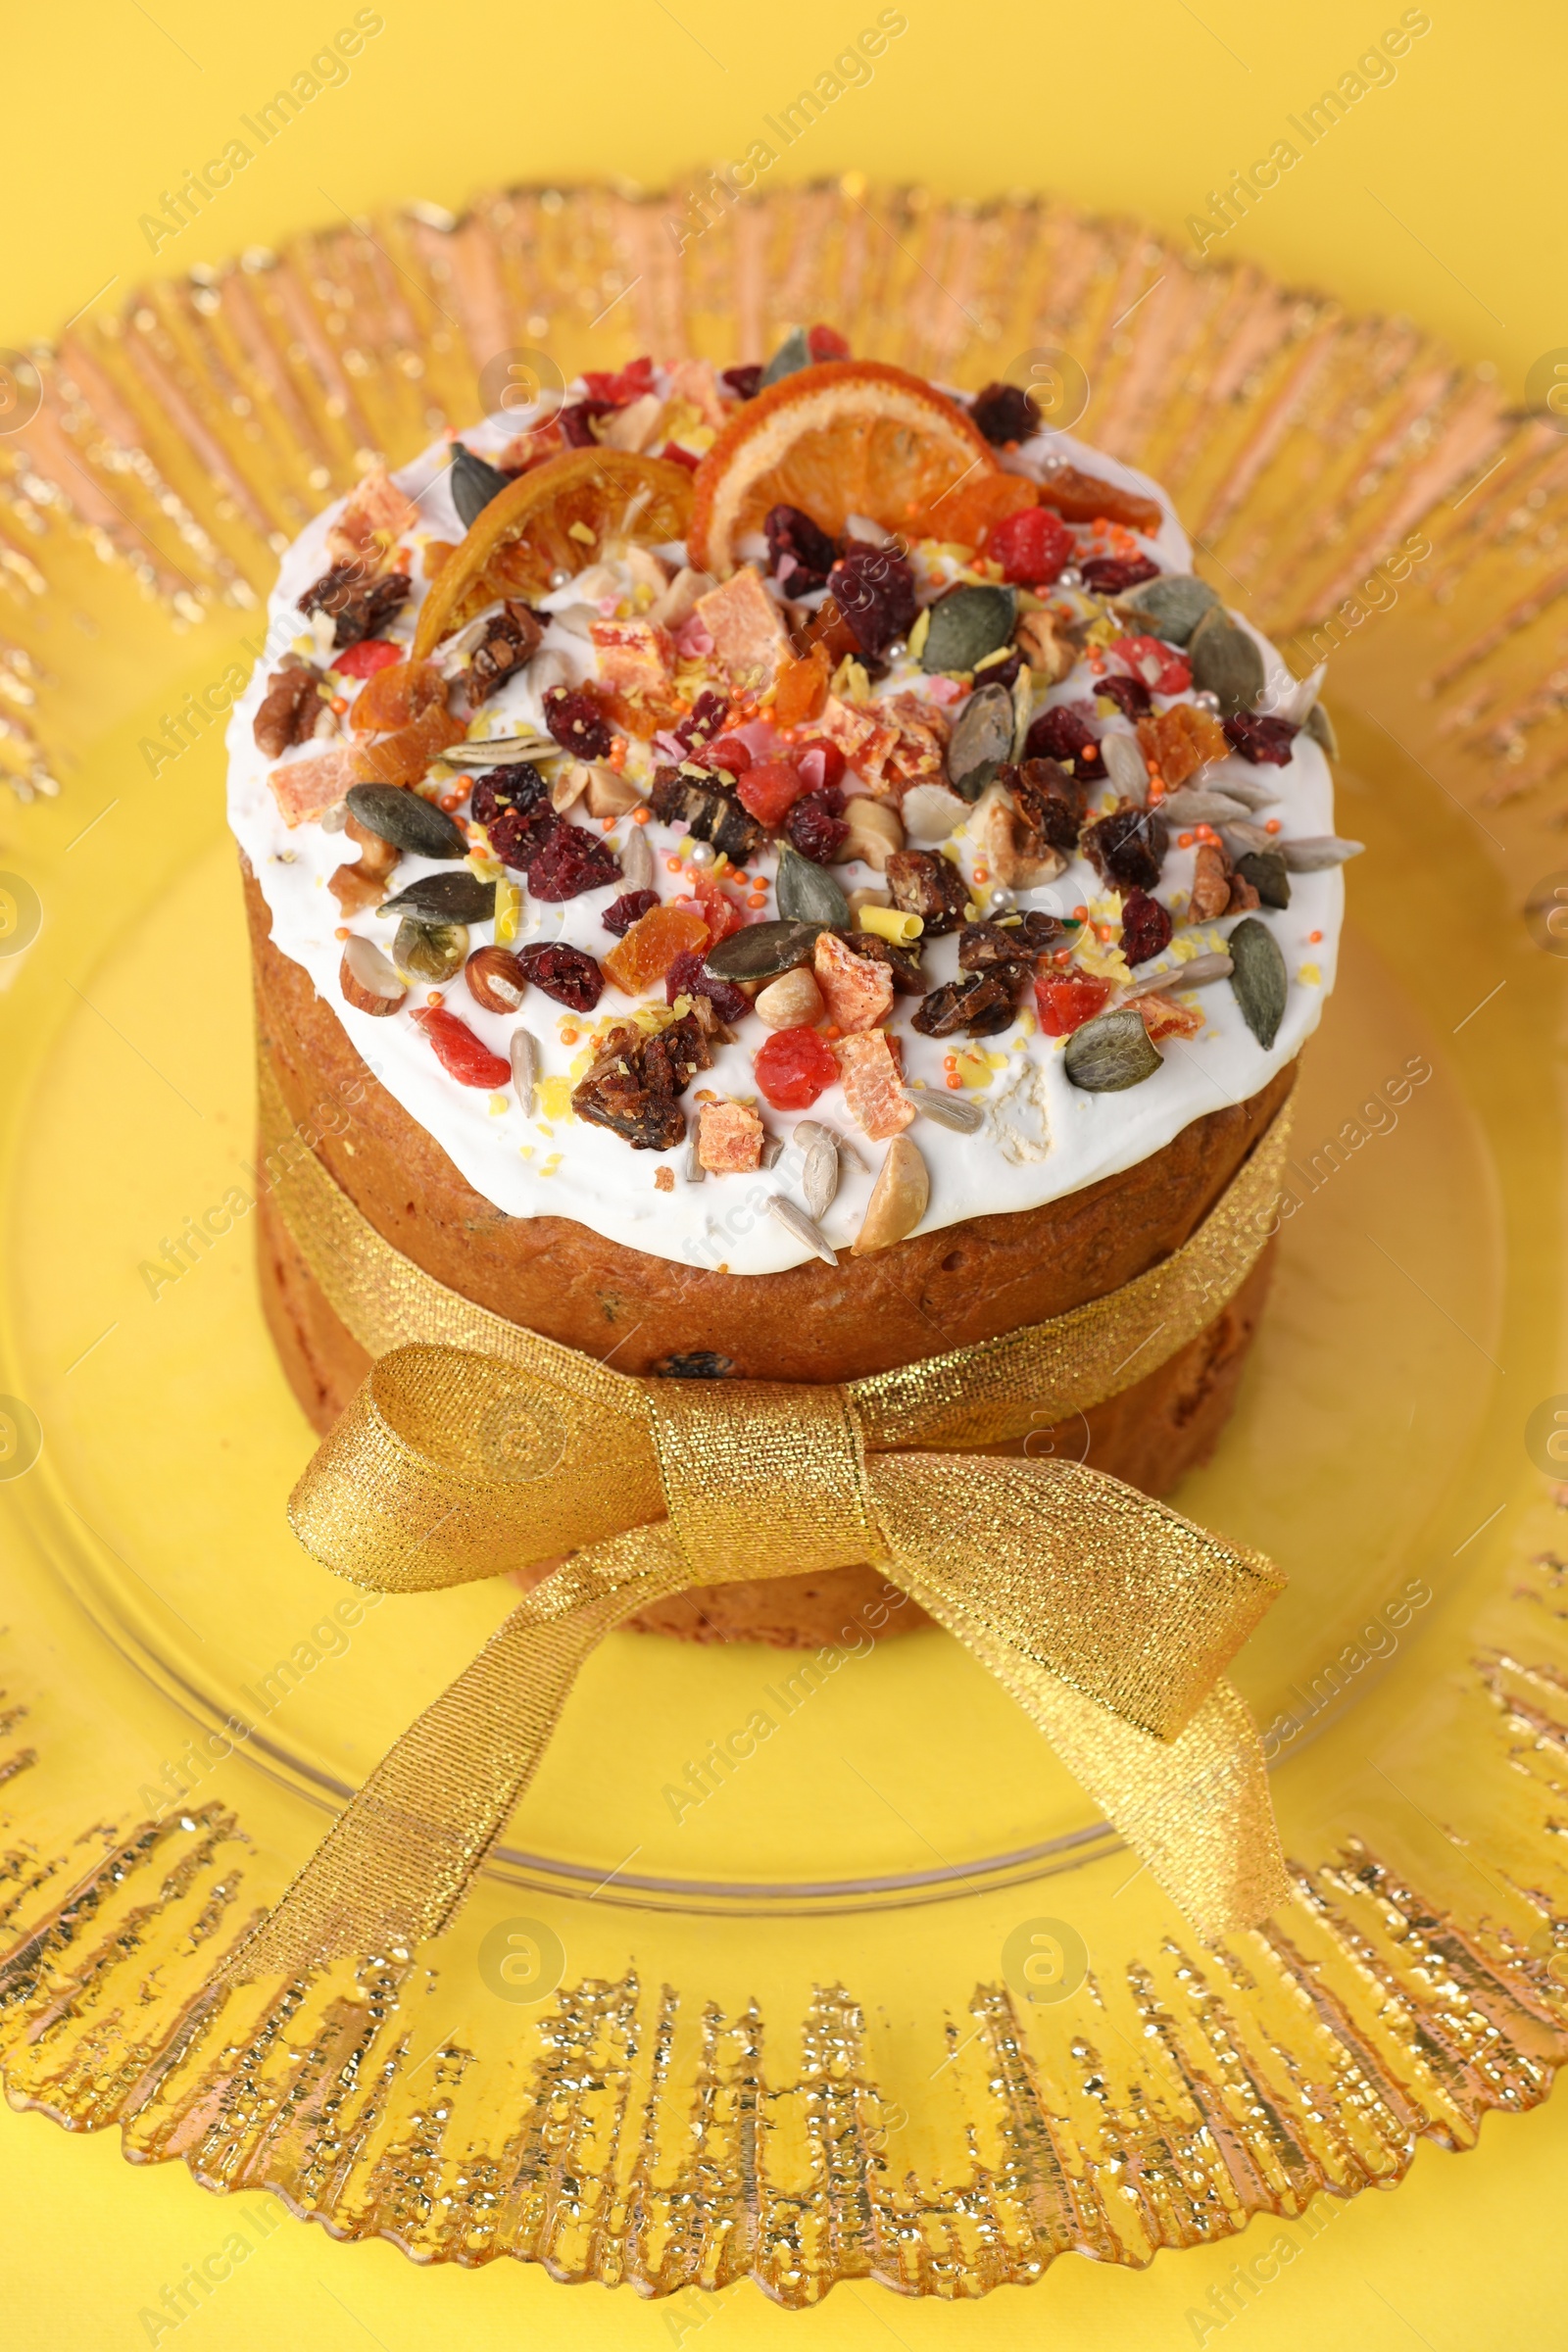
(403, 758)
(802, 688)
(395, 696)
(857, 992)
(646, 951)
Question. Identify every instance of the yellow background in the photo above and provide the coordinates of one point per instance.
(1437, 196)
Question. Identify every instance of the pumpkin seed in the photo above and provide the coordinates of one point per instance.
(808, 893)
(1265, 870)
(1196, 972)
(981, 741)
(948, 1110)
(793, 354)
(1173, 604)
(406, 820)
(473, 484)
(967, 626)
(763, 950)
(795, 1220)
(1225, 662)
(1124, 766)
(424, 951)
(1258, 979)
(446, 898)
(1111, 1053)
(1318, 724)
(1313, 853)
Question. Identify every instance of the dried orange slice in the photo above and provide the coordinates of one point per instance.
(558, 517)
(850, 437)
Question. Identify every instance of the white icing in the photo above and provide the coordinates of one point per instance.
(1044, 1137)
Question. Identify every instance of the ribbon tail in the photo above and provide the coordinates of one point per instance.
(399, 1860)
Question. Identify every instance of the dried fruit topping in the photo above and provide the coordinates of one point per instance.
(569, 974)
(509, 641)
(1180, 741)
(402, 757)
(802, 688)
(689, 976)
(1163, 1018)
(744, 383)
(820, 762)
(1211, 893)
(826, 343)
(447, 899)
(1146, 927)
(1261, 740)
(1131, 696)
(1005, 412)
(289, 711)
(1127, 847)
(1080, 496)
(364, 659)
(707, 806)
(463, 1056)
(794, 1067)
(1050, 805)
(369, 980)
(769, 789)
(1110, 1054)
(633, 1085)
(729, 752)
(575, 717)
(815, 827)
(519, 787)
(1153, 662)
(702, 721)
(902, 964)
(1066, 999)
(989, 946)
(360, 606)
(875, 590)
(1063, 733)
(577, 423)
(621, 386)
(857, 989)
(568, 861)
(652, 945)
(429, 950)
(407, 823)
(495, 979)
(473, 483)
(982, 1004)
(729, 1139)
(713, 901)
(930, 887)
(1110, 576)
(799, 553)
(1032, 546)
(874, 1083)
(620, 915)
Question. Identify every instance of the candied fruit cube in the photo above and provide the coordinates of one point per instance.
(652, 945)
(873, 1082)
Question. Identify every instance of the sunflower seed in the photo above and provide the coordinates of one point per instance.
(763, 950)
(967, 626)
(1250, 792)
(446, 898)
(795, 1220)
(1226, 662)
(1196, 972)
(819, 1172)
(1111, 1053)
(807, 1131)
(473, 484)
(524, 1067)
(808, 893)
(772, 1151)
(1259, 979)
(1124, 766)
(1311, 854)
(637, 858)
(1243, 838)
(948, 1110)
(1193, 805)
(694, 1170)
(981, 741)
(406, 820)
(1174, 604)
(501, 750)
(1265, 870)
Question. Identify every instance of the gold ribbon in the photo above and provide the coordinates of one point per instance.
(475, 1446)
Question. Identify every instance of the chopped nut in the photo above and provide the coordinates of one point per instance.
(874, 833)
(368, 979)
(496, 979)
(899, 1199)
(792, 1002)
(1211, 884)
(362, 883)
(1044, 647)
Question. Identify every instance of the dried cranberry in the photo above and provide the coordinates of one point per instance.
(519, 786)
(566, 974)
(1005, 412)
(814, 827)
(1001, 673)
(1060, 734)
(673, 455)
(627, 909)
(702, 722)
(1262, 741)
(1113, 575)
(577, 421)
(800, 553)
(1146, 926)
(744, 383)
(875, 590)
(569, 861)
(1131, 696)
(1031, 546)
(687, 976)
(826, 343)
(364, 659)
(577, 719)
(729, 752)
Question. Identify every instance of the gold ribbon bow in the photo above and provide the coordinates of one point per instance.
(475, 1446)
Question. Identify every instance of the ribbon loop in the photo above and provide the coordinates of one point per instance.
(761, 1479)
